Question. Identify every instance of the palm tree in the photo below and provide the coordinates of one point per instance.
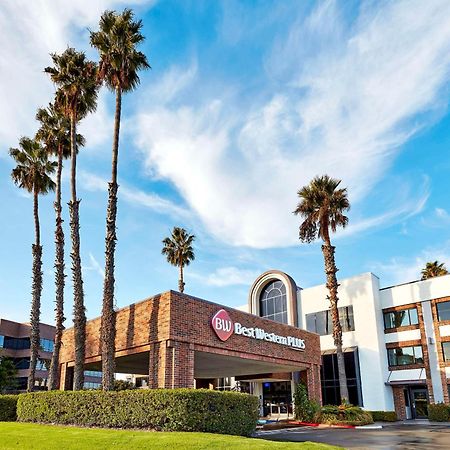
(179, 251)
(322, 206)
(434, 269)
(32, 173)
(76, 79)
(120, 62)
(54, 133)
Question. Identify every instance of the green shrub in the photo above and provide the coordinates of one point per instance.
(160, 409)
(384, 416)
(438, 412)
(122, 385)
(344, 414)
(305, 409)
(8, 408)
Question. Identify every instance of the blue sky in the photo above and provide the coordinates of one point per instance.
(245, 103)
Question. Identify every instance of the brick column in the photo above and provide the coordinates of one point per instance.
(65, 377)
(154, 365)
(399, 402)
(179, 371)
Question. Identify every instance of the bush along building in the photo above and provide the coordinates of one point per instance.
(15, 344)
(396, 339)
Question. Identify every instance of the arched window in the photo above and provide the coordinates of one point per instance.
(273, 302)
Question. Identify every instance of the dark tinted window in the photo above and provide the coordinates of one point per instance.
(443, 310)
(16, 343)
(322, 322)
(403, 356)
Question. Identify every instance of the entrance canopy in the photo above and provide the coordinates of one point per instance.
(175, 338)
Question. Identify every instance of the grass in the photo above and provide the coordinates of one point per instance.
(34, 436)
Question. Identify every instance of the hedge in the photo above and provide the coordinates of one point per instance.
(384, 416)
(344, 414)
(160, 409)
(8, 408)
(438, 412)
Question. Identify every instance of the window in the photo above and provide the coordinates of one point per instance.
(16, 343)
(330, 379)
(446, 351)
(91, 385)
(273, 302)
(403, 318)
(43, 364)
(443, 310)
(224, 384)
(2, 340)
(402, 356)
(93, 373)
(322, 322)
(47, 345)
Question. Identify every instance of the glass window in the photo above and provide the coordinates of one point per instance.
(93, 373)
(322, 322)
(273, 302)
(446, 351)
(47, 345)
(443, 310)
(403, 318)
(2, 340)
(16, 343)
(403, 356)
(91, 385)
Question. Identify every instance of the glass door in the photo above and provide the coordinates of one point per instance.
(420, 403)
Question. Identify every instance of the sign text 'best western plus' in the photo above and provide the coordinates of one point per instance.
(225, 327)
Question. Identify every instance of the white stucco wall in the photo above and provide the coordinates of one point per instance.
(362, 292)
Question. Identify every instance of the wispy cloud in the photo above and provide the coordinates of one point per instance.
(227, 276)
(92, 182)
(344, 101)
(94, 266)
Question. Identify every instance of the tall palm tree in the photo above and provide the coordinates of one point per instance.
(120, 62)
(322, 206)
(434, 269)
(54, 133)
(179, 251)
(32, 173)
(76, 96)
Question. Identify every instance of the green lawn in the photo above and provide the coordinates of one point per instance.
(45, 437)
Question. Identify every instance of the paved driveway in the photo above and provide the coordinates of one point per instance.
(391, 437)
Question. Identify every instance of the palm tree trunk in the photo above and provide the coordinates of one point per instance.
(108, 323)
(79, 312)
(36, 291)
(332, 285)
(181, 281)
(59, 278)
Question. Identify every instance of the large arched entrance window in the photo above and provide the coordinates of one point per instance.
(273, 303)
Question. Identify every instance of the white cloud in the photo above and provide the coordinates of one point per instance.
(343, 105)
(227, 276)
(92, 182)
(403, 270)
(95, 266)
(31, 30)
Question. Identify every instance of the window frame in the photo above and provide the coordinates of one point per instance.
(438, 315)
(415, 362)
(410, 324)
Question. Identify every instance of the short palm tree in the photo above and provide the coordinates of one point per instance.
(322, 206)
(32, 173)
(54, 133)
(76, 96)
(120, 63)
(434, 269)
(179, 251)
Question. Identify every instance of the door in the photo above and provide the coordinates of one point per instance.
(419, 398)
(407, 404)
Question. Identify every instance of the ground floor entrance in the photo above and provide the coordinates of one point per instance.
(277, 399)
(411, 401)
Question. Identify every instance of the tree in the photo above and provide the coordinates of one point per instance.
(120, 63)
(32, 173)
(54, 133)
(76, 96)
(8, 373)
(322, 206)
(179, 251)
(434, 269)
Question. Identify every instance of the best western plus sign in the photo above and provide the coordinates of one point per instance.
(224, 328)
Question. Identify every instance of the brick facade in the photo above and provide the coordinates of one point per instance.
(168, 330)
